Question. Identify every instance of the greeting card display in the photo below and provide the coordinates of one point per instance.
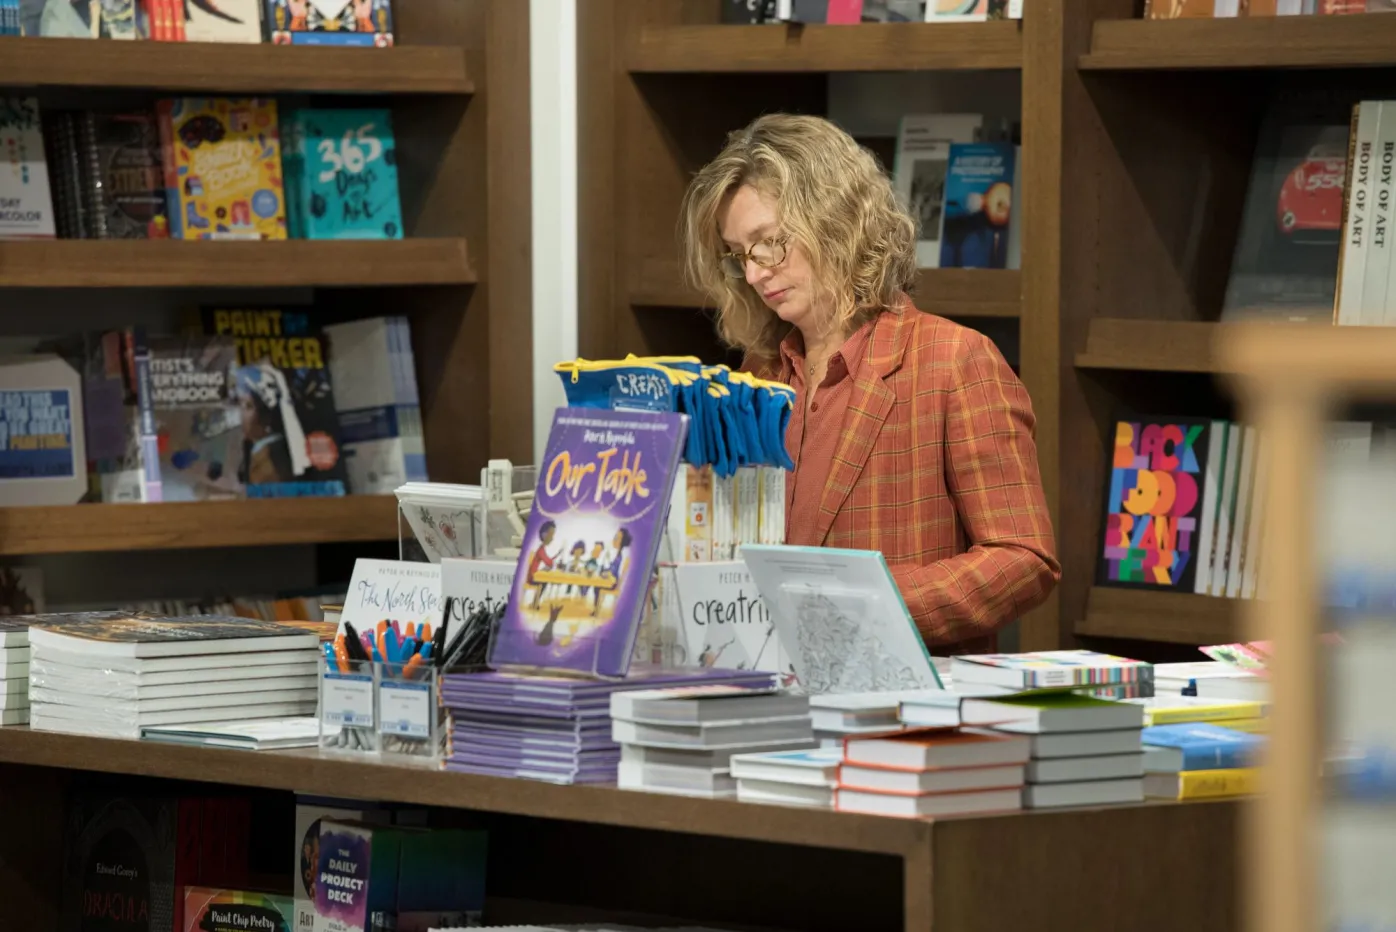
(1153, 503)
(587, 561)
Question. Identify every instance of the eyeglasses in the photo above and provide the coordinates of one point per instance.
(768, 254)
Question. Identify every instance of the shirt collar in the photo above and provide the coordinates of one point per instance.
(851, 353)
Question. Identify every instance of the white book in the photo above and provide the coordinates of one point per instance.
(930, 804)
(1211, 505)
(1357, 213)
(1087, 743)
(916, 782)
(80, 721)
(1239, 526)
(817, 767)
(1226, 510)
(712, 737)
(921, 167)
(258, 735)
(167, 670)
(97, 689)
(1251, 554)
(1373, 311)
(109, 706)
(1085, 793)
(666, 777)
(784, 794)
(1071, 769)
(26, 202)
(114, 634)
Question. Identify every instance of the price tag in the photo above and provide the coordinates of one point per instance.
(406, 709)
(348, 700)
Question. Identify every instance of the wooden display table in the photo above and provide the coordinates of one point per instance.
(575, 853)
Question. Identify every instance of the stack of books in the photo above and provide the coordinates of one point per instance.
(1085, 751)
(113, 674)
(553, 728)
(839, 716)
(1105, 675)
(676, 739)
(1210, 679)
(14, 673)
(788, 778)
(1199, 761)
(932, 772)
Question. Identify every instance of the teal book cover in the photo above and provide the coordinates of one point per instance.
(341, 174)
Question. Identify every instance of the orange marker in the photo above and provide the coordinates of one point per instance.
(341, 653)
(412, 664)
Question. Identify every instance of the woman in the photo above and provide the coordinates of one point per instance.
(910, 434)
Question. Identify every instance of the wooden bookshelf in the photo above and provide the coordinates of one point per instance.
(232, 68)
(291, 263)
(671, 49)
(1258, 42)
(456, 84)
(879, 874)
(1150, 345)
(1171, 617)
(197, 525)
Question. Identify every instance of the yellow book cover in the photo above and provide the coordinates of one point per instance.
(1172, 710)
(1203, 784)
(1252, 726)
(223, 168)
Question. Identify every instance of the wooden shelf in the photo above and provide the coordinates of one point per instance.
(1151, 345)
(1262, 42)
(1175, 617)
(290, 263)
(947, 292)
(232, 68)
(868, 47)
(186, 525)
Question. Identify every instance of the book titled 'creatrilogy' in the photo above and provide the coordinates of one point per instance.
(588, 553)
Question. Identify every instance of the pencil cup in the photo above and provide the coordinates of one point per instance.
(349, 708)
(411, 718)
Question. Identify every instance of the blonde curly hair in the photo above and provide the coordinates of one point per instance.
(834, 201)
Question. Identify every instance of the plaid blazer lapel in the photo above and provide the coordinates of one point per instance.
(867, 412)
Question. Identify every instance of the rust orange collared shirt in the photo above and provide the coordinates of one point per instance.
(812, 436)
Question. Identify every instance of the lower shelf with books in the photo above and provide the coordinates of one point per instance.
(1076, 869)
(182, 525)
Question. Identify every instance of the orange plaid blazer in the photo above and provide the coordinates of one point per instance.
(937, 469)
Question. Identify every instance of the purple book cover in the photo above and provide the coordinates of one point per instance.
(589, 549)
(526, 688)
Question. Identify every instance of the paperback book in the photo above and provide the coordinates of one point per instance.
(330, 22)
(341, 174)
(604, 486)
(26, 205)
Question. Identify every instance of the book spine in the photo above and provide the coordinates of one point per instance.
(1379, 249)
(1201, 784)
(1250, 555)
(1226, 510)
(151, 488)
(1239, 526)
(174, 206)
(1211, 494)
(1348, 295)
(94, 205)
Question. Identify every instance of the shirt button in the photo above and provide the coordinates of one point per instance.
(814, 406)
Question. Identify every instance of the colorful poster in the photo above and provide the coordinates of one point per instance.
(1153, 503)
(588, 555)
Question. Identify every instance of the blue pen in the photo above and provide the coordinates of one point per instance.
(329, 655)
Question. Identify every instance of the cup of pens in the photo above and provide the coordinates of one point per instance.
(410, 714)
(348, 702)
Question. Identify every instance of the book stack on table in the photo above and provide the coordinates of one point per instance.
(552, 728)
(114, 674)
(14, 673)
(683, 740)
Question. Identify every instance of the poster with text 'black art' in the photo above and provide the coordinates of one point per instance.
(1153, 503)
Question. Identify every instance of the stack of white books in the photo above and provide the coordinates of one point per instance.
(682, 740)
(788, 778)
(1210, 679)
(14, 672)
(1084, 751)
(931, 772)
(111, 674)
(837, 716)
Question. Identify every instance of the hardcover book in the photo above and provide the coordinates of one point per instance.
(1051, 669)
(587, 562)
(83, 19)
(123, 187)
(119, 863)
(198, 418)
(223, 168)
(978, 206)
(289, 429)
(330, 22)
(341, 174)
(26, 203)
(135, 635)
(1153, 503)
